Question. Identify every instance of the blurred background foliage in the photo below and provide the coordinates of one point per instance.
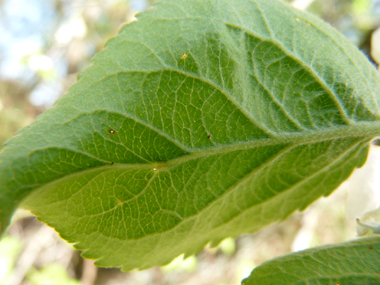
(44, 44)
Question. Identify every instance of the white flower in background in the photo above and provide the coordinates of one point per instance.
(363, 186)
(369, 223)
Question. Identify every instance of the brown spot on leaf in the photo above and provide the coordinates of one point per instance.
(370, 247)
(209, 136)
(112, 163)
(111, 131)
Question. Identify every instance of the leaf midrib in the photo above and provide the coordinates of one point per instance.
(224, 92)
(228, 190)
(361, 129)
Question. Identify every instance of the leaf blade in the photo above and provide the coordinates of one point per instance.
(246, 123)
(352, 262)
(234, 209)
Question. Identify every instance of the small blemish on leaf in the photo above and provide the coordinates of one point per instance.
(209, 136)
(159, 167)
(184, 55)
(302, 21)
(112, 163)
(111, 131)
(370, 247)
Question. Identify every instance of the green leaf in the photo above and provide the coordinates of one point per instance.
(202, 120)
(354, 263)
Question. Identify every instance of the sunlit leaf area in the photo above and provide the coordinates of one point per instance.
(45, 44)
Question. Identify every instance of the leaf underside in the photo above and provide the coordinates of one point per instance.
(354, 263)
(202, 120)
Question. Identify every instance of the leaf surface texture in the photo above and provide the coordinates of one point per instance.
(202, 120)
(354, 263)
